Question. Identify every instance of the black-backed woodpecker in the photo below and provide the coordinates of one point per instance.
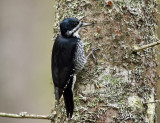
(68, 59)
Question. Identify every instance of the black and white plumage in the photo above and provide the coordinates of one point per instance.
(68, 59)
(79, 59)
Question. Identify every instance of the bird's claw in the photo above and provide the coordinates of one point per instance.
(92, 53)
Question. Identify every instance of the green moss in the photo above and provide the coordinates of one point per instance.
(97, 84)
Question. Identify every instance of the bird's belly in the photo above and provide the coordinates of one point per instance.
(79, 63)
(80, 58)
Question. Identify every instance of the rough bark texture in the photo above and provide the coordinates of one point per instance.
(115, 88)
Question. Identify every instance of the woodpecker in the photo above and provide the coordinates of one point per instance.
(68, 58)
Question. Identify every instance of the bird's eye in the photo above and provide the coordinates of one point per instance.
(75, 23)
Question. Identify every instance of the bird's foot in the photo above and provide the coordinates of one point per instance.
(92, 53)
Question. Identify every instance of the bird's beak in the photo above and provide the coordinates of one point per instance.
(86, 24)
(68, 33)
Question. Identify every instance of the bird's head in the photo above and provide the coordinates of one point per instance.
(70, 27)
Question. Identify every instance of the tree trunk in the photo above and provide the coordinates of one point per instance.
(120, 85)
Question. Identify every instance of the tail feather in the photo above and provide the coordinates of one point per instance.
(67, 95)
(68, 99)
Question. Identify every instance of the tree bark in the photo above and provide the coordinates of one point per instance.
(120, 85)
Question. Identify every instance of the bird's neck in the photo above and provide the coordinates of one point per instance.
(76, 34)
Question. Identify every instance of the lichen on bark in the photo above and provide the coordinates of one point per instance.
(114, 88)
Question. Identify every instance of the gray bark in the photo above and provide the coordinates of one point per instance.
(121, 85)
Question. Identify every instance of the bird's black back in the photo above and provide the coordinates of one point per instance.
(62, 60)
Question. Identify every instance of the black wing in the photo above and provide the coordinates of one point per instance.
(62, 60)
(62, 68)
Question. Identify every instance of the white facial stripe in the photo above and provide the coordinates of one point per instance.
(74, 30)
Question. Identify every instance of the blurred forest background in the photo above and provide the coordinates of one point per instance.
(26, 30)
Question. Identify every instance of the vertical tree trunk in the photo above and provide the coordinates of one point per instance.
(120, 85)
